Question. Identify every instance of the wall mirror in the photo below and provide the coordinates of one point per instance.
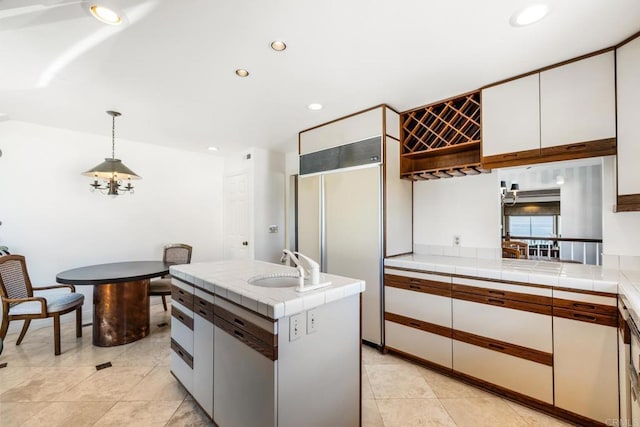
(553, 211)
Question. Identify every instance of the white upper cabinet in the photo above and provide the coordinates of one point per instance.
(577, 101)
(511, 116)
(628, 81)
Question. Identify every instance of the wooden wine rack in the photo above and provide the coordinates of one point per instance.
(442, 140)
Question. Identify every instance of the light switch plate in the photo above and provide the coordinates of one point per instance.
(296, 326)
(312, 321)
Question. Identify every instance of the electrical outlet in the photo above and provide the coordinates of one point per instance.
(312, 321)
(296, 326)
(457, 240)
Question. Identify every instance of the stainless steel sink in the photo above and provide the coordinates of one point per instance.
(274, 282)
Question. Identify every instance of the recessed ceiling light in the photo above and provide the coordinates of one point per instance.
(105, 14)
(529, 15)
(278, 45)
(241, 72)
(314, 106)
(212, 148)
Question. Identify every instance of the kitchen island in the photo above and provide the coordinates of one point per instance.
(266, 355)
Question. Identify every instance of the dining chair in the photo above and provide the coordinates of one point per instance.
(21, 301)
(175, 253)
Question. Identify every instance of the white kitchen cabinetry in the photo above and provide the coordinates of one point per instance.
(511, 117)
(182, 332)
(502, 334)
(418, 315)
(628, 87)
(577, 101)
(203, 342)
(585, 355)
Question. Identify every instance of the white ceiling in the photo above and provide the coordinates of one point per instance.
(170, 69)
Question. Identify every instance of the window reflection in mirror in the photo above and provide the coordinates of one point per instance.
(556, 212)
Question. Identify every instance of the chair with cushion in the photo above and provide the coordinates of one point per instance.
(177, 253)
(21, 301)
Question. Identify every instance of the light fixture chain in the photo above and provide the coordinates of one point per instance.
(113, 137)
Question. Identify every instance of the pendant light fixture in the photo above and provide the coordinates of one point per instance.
(108, 175)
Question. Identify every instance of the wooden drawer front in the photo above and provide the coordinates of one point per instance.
(584, 316)
(203, 308)
(182, 296)
(268, 350)
(514, 373)
(426, 307)
(182, 317)
(503, 302)
(522, 328)
(418, 285)
(603, 147)
(510, 159)
(425, 345)
(182, 371)
(586, 307)
(536, 294)
(418, 324)
(609, 300)
(182, 352)
(522, 352)
(245, 325)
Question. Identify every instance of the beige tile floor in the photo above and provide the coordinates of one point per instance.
(40, 389)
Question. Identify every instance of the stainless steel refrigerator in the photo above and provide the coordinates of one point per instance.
(339, 220)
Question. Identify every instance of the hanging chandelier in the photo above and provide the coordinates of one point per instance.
(109, 175)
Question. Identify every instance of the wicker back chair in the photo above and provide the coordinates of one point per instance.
(176, 253)
(20, 302)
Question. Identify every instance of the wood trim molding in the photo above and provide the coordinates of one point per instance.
(510, 159)
(628, 203)
(582, 316)
(391, 137)
(586, 307)
(624, 329)
(183, 297)
(269, 351)
(504, 347)
(502, 392)
(418, 285)
(181, 317)
(418, 324)
(180, 351)
(503, 302)
(414, 270)
(498, 293)
(628, 39)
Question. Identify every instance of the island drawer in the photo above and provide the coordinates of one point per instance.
(182, 296)
(202, 307)
(182, 317)
(418, 305)
(268, 350)
(244, 325)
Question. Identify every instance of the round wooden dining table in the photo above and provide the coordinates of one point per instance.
(120, 298)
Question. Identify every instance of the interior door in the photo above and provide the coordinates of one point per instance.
(309, 216)
(236, 217)
(353, 237)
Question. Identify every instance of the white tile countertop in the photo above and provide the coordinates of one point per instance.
(229, 279)
(565, 275)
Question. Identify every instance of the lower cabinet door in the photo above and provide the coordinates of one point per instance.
(514, 373)
(425, 345)
(244, 384)
(203, 363)
(182, 371)
(585, 358)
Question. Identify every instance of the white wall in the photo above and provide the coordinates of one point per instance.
(621, 229)
(467, 206)
(50, 216)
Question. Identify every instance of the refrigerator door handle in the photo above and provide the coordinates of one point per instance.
(323, 226)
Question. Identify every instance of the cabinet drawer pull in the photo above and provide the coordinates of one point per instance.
(180, 353)
(585, 306)
(576, 146)
(181, 300)
(204, 313)
(238, 321)
(415, 287)
(510, 155)
(496, 292)
(417, 325)
(496, 346)
(584, 317)
(180, 316)
(495, 301)
(238, 334)
(181, 292)
(202, 302)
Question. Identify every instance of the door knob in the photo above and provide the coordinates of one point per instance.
(245, 243)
